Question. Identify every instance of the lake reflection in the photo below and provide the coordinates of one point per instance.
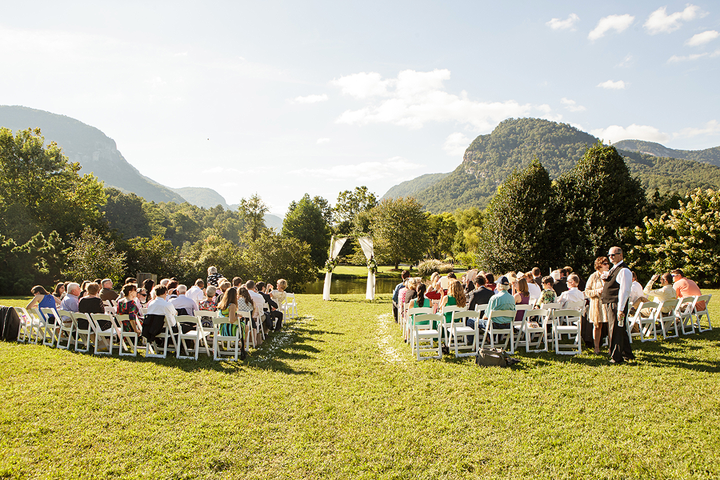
(342, 286)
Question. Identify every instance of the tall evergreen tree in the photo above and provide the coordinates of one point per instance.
(597, 199)
(519, 223)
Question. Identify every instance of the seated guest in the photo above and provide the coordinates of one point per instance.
(258, 313)
(411, 291)
(70, 302)
(107, 293)
(560, 284)
(421, 300)
(455, 296)
(663, 294)
(537, 276)
(482, 294)
(490, 282)
(224, 287)
(182, 303)
(533, 287)
(172, 289)
(148, 286)
(572, 298)
(521, 296)
(271, 311)
(161, 306)
(210, 302)
(548, 294)
(237, 282)
(59, 291)
(83, 288)
(228, 307)
(128, 306)
(684, 287)
(636, 294)
(213, 277)
(499, 302)
(196, 291)
(279, 295)
(142, 298)
(92, 303)
(43, 299)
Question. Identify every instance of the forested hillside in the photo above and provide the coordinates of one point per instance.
(709, 155)
(515, 143)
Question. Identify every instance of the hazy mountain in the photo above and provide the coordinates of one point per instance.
(201, 196)
(709, 155)
(412, 187)
(515, 142)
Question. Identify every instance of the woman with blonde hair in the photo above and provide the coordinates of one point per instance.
(593, 290)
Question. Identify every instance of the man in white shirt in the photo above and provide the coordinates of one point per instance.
(667, 292)
(183, 302)
(572, 298)
(196, 292)
(257, 299)
(160, 306)
(615, 298)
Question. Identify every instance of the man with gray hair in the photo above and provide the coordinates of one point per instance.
(70, 302)
(615, 301)
(501, 301)
(183, 303)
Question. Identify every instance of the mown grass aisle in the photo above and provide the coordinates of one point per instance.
(338, 395)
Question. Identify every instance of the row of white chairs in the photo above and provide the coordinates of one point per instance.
(84, 332)
(671, 317)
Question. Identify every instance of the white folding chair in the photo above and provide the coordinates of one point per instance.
(551, 306)
(534, 332)
(224, 343)
(128, 340)
(457, 332)
(260, 322)
(26, 327)
(425, 335)
(169, 341)
(110, 306)
(699, 312)
(51, 329)
(250, 330)
(567, 322)
(83, 329)
(668, 321)
(67, 326)
(37, 324)
(196, 334)
(409, 316)
(644, 318)
(494, 334)
(683, 313)
(518, 321)
(103, 333)
(291, 305)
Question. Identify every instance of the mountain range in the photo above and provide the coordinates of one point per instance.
(98, 154)
(514, 143)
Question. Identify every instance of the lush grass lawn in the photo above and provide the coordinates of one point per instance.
(338, 395)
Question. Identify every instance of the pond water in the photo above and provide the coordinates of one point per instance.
(342, 286)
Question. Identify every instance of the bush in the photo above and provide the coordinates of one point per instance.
(427, 267)
(470, 260)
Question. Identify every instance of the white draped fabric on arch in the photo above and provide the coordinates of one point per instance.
(336, 244)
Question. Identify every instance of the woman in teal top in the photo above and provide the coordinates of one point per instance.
(455, 296)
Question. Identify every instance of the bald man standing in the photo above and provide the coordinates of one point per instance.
(615, 298)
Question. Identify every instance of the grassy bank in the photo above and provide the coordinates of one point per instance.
(362, 271)
(338, 395)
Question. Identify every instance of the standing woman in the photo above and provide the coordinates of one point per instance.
(593, 289)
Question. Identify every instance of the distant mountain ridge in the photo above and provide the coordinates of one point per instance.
(708, 155)
(514, 143)
(411, 187)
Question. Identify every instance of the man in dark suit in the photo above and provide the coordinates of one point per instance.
(482, 294)
(561, 285)
(537, 277)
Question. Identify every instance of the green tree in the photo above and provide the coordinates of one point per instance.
(273, 257)
(305, 222)
(351, 202)
(441, 233)
(41, 191)
(469, 225)
(687, 237)
(154, 255)
(400, 230)
(125, 214)
(93, 257)
(598, 199)
(252, 213)
(37, 261)
(517, 228)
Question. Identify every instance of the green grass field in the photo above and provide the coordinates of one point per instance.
(338, 395)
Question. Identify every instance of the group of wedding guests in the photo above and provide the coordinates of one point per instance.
(562, 286)
(168, 299)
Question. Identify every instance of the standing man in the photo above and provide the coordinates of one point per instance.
(615, 298)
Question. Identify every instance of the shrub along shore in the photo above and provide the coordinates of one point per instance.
(337, 394)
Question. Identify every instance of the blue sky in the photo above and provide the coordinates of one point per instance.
(287, 98)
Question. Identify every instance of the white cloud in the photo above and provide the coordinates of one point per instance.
(395, 167)
(695, 56)
(618, 23)
(660, 22)
(702, 38)
(568, 23)
(456, 144)
(320, 141)
(414, 98)
(572, 105)
(609, 84)
(711, 128)
(310, 99)
(615, 133)
(362, 85)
